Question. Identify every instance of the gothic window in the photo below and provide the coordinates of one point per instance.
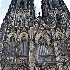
(30, 12)
(42, 50)
(19, 22)
(23, 47)
(23, 24)
(55, 3)
(58, 18)
(12, 45)
(22, 2)
(48, 3)
(61, 2)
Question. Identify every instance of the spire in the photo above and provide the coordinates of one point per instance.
(30, 3)
(26, 4)
(51, 4)
(23, 3)
(25, 7)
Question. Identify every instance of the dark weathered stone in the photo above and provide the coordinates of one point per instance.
(30, 43)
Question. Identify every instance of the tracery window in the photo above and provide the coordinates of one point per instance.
(23, 47)
(42, 50)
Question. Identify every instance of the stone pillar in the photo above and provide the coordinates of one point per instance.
(31, 50)
(31, 57)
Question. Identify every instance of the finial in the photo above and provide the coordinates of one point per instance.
(39, 13)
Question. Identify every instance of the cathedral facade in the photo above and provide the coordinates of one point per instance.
(28, 42)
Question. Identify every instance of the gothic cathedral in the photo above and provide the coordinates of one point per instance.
(28, 42)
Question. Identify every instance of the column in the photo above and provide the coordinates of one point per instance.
(31, 50)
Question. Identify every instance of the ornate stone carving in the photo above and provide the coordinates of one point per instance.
(30, 43)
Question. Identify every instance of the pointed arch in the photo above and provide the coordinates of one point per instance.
(42, 50)
(23, 34)
(23, 44)
(12, 36)
(44, 34)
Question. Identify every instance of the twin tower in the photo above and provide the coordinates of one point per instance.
(46, 5)
(28, 42)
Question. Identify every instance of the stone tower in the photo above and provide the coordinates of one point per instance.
(30, 43)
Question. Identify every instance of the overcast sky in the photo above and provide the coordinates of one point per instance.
(4, 5)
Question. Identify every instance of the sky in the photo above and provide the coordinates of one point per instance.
(4, 5)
